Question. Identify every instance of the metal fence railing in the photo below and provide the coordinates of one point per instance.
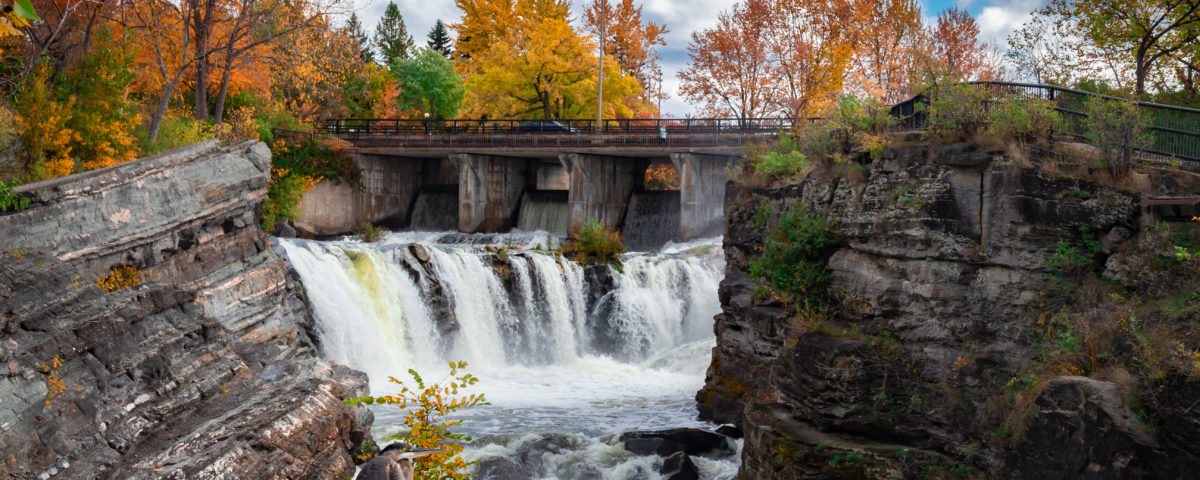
(650, 127)
(1174, 130)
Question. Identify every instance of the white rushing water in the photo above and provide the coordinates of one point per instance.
(565, 355)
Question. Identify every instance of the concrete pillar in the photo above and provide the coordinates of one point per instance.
(702, 193)
(552, 176)
(390, 184)
(489, 190)
(600, 188)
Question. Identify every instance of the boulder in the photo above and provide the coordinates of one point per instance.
(679, 466)
(665, 443)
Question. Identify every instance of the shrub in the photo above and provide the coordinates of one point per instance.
(597, 244)
(957, 112)
(790, 165)
(11, 200)
(177, 130)
(104, 115)
(370, 233)
(1012, 117)
(120, 277)
(792, 265)
(427, 407)
(284, 193)
(1118, 129)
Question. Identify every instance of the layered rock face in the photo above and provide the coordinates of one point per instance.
(940, 281)
(206, 370)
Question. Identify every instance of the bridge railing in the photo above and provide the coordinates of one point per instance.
(1174, 130)
(653, 126)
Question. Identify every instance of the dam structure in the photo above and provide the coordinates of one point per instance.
(489, 176)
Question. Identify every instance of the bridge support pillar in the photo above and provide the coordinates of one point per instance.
(389, 186)
(489, 190)
(702, 180)
(600, 188)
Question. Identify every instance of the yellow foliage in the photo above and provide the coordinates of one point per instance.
(428, 406)
(543, 68)
(120, 277)
(46, 137)
(55, 385)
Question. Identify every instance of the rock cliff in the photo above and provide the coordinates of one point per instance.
(206, 370)
(956, 346)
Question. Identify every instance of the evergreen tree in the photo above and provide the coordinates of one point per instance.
(439, 39)
(355, 31)
(391, 36)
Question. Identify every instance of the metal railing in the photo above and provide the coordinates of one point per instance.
(1174, 130)
(650, 126)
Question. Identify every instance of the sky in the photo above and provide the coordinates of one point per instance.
(997, 18)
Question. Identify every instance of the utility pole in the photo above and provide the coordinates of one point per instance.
(600, 89)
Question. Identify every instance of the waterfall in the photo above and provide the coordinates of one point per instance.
(652, 220)
(380, 307)
(562, 350)
(544, 210)
(435, 211)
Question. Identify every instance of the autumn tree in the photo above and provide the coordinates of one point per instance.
(439, 39)
(632, 43)
(1148, 33)
(883, 63)
(957, 47)
(104, 117)
(729, 69)
(810, 44)
(428, 83)
(391, 36)
(354, 30)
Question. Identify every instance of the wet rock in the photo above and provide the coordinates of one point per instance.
(731, 431)
(527, 458)
(679, 466)
(664, 443)
(285, 230)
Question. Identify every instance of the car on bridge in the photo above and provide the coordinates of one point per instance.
(545, 126)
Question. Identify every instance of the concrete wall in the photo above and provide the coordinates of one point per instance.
(489, 191)
(600, 188)
(702, 193)
(390, 185)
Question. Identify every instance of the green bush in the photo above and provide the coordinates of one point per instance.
(318, 161)
(597, 244)
(957, 112)
(11, 200)
(284, 193)
(175, 132)
(1012, 117)
(370, 233)
(1118, 129)
(790, 165)
(792, 265)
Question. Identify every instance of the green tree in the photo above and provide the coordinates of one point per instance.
(391, 36)
(104, 115)
(1146, 32)
(427, 82)
(355, 31)
(439, 39)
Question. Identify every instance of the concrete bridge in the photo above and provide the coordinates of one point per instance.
(493, 176)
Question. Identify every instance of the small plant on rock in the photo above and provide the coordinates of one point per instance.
(427, 407)
(120, 277)
(792, 265)
(597, 244)
(370, 233)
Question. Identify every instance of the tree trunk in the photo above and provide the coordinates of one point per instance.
(224, 92)
(157, 118)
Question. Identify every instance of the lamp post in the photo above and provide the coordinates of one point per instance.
(600, 85)
(427, 123)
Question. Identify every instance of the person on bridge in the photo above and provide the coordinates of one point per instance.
(394, 462)
(662, 135)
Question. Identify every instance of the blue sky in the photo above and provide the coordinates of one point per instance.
(996, 19)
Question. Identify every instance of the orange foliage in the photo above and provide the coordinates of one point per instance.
(633, 44)
(957, 47)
